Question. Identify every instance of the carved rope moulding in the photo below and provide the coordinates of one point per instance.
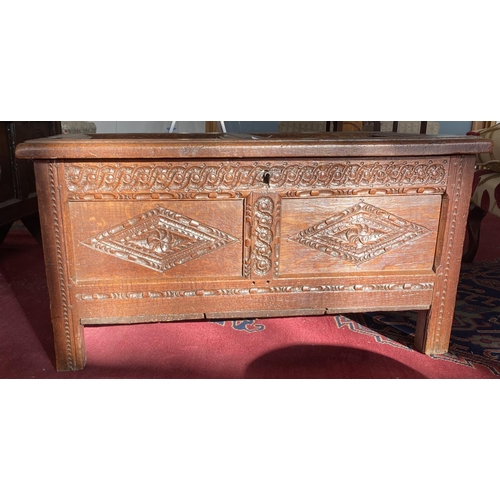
(122, 179)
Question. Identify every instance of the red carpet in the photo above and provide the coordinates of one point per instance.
(306, 347)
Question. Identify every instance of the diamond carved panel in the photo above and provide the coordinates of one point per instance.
(159, 239)
(360, 233)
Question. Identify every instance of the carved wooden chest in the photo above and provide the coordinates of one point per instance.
(151, 228)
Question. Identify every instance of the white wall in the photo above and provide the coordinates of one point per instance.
(147, 127)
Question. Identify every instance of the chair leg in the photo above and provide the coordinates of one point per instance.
(476, 215)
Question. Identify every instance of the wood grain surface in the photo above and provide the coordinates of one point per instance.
(166, 228)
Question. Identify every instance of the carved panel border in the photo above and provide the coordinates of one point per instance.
(168, 294)
(365, 191)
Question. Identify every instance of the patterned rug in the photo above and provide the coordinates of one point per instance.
(475, 338)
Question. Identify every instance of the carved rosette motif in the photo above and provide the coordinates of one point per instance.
(360, 233)
(190, 179)
(159, 239)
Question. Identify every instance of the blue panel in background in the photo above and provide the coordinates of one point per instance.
(455, 128)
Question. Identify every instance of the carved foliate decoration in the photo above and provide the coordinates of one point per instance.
(159, 239)
(360, 233)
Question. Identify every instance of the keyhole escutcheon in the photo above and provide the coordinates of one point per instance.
(266, 177)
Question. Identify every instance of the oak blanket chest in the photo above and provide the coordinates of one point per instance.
(152, 228)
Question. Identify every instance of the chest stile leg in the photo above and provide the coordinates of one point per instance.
(68, 332)
(434, 325)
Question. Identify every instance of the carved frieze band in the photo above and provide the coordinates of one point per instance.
(352, 173)
(89, 181)
(168, 294)
(179, 180)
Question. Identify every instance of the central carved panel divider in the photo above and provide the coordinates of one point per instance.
(160, 229)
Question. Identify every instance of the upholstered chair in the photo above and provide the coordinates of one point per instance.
(485, 190)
